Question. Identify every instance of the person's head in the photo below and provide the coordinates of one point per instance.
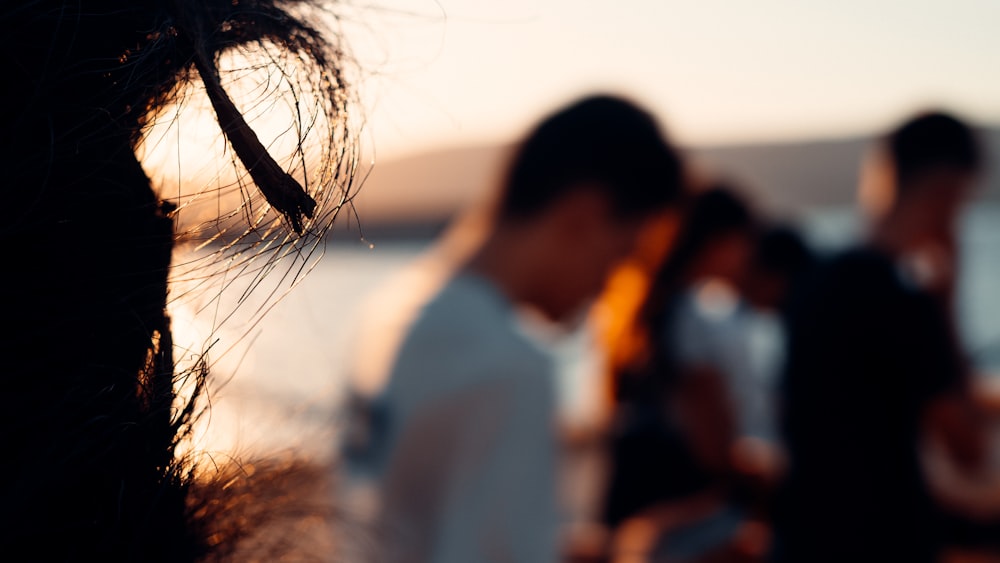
(714, 242)
(582, 184)
(601, 143)
(930, 160)
(780, 258)
(715, 237)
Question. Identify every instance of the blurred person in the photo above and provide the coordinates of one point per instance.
(681, 402)
(458, 433)
(874, 368)
(780, 262)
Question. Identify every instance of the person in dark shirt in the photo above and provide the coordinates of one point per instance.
(675, 415)
(874, 369)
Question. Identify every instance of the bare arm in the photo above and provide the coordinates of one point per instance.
(956, 457)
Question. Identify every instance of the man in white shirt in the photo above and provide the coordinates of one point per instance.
(457, 432)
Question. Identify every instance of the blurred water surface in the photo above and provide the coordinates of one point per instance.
(283, 376)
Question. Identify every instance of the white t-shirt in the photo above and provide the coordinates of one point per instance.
(712, 327)
(458, 440)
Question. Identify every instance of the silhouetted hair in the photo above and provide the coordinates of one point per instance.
(932, 140)
(708, 216)
(602, 140)
(99, 419)
(713, 213)
(781, 250)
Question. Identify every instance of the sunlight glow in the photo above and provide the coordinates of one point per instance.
(457, 72)
(190, 161)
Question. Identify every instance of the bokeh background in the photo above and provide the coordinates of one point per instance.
(781, 97)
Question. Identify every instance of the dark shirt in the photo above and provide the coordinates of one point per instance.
(651, 460)
(868, 351)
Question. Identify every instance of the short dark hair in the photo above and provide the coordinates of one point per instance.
(932, 140)
(709, 215)
(604, 140)
(783, 251)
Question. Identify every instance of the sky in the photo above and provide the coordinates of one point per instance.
(446, 73)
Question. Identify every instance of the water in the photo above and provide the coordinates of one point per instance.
(276, 383)
(284, 376)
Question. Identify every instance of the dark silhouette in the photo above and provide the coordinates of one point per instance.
(90, 412)
(874, 368)
(781, 261)
(675, 423)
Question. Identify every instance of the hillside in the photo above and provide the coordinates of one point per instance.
(417, 194)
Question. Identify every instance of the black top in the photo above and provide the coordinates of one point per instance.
(651, 460)
(868, 350)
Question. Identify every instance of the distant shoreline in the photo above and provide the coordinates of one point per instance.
(388, 231)
(783, 178)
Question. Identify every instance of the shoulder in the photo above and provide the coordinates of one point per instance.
(470, 316)
(466, 335)
(457, 364)
(702, 315)
(846, 293)
(855, 272)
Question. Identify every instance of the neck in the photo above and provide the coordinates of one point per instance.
(926, 218)
(923, 240)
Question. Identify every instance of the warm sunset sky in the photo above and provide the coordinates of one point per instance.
(450, 72)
